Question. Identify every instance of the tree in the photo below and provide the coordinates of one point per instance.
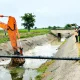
(67, 26)
(35, 28)
(54, 27)
(49, 27)
(29, 20)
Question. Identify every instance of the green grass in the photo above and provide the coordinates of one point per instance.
(38, 77)
(24, 34)
(33, 30)
(43, 68)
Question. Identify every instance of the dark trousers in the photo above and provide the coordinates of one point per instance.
(77, 38)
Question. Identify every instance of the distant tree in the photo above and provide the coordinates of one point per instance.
(58, 26)
(35, 28)
(54, 27)
(29, 20)
(49, 27)
(67, 26)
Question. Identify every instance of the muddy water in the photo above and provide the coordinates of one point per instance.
(28, 71)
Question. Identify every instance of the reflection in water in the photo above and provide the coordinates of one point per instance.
(14, 76)
(17, 73)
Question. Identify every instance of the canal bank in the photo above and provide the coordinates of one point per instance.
(64, 70)
(27, 43)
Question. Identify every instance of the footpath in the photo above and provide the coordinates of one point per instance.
(63, 69)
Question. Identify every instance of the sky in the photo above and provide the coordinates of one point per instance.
(47, 12)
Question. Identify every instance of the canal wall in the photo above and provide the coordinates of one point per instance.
(27, 43)
(64, 70)
(32, 42)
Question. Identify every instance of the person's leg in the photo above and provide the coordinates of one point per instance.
(76, 38)
(79, 38)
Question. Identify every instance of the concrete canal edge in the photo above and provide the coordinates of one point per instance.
(64, 70)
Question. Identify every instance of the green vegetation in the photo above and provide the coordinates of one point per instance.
(38, 77)
(44, 66)
(64, 42)
(42, 69)
(17, 70)
(29, 20)
(17, 73)
(24, 34)
(66, 27)
(4, 39)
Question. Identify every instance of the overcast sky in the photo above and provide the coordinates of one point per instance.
(48, 12)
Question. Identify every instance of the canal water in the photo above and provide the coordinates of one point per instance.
(28, 71)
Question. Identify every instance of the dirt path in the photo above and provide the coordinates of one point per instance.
(65, 70)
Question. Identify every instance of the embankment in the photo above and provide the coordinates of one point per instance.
(27, 43)
(64, 70)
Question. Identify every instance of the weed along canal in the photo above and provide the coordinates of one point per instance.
(29, 70)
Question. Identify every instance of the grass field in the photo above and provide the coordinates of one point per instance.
(23, 34)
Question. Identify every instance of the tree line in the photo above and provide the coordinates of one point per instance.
(29, 21)
(67, 26)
